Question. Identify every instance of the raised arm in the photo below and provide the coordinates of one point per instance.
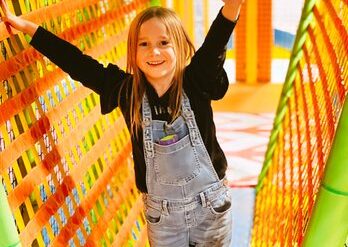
(19, 23)
(68, 57)
(206, 71)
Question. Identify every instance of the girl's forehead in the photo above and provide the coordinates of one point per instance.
(153, 22)
(153, 27)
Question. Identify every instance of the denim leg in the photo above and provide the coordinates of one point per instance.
(166, 237)
(218, 234)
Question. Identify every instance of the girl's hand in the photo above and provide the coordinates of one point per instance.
(16, 22)
(231, 9)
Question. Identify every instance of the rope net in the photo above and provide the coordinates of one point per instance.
(304, 128)
(67, 170)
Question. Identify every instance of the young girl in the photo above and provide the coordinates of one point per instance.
(165, 96)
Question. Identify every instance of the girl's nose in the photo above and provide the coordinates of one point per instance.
(155, 50)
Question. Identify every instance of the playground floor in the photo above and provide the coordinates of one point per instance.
(244, 138)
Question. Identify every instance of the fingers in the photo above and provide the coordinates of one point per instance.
(7, 15)
(4, 6)
(4, 18)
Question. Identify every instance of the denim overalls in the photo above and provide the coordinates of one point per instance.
(187, 203)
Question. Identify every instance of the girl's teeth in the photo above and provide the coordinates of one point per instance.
(154, 63)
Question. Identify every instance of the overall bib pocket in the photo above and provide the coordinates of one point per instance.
(176, 164)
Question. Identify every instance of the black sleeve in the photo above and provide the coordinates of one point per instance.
(79, 66)
(206, 71)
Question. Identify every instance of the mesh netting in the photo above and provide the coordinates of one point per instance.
(307, 116)
(67, 170)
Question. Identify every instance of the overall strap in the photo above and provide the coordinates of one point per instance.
(147, 128)
(189, 117)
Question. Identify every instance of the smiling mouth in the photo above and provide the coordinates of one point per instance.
(155, 63)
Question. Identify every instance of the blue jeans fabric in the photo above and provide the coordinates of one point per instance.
(186, 202)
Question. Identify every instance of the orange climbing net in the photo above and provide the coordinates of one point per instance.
(67, 169)
(304, 127)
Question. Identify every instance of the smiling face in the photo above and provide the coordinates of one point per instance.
(159, 49)
(155, 55)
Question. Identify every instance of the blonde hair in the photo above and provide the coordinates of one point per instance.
(183, 48)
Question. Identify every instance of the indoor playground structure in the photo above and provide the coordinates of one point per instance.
(67, 172)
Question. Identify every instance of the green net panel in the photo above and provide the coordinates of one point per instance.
(304, 127)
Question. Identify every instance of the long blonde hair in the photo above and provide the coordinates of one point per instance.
(183, 48)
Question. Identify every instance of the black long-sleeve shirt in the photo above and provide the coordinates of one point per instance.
(204, 80)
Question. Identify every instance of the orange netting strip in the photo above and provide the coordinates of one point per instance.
(67, 169)
(304, 128)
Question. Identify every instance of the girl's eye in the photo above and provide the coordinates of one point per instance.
(143, 44)
(164, 42)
